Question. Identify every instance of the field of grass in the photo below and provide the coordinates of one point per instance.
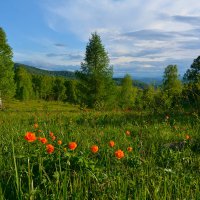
(162, 163)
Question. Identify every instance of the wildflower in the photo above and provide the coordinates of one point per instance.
(64, 149)
(53, 137)
(51, 134)
(36, 125)
(167, 117)
(39, 131)
(128, 133)
(111, 143)
(119, 154)
(50, 148)
(187, 137)
(43, 140)
(94, 149)
(30, 137)
(72, 145)
(129, 149)
(59, 142)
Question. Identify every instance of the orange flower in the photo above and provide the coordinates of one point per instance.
(94, 149)
(36, 125)
(43, 140)
(111, 143)
(53, 137)
(187, 137)
(129, 149)
(119, 154)
(72, 145)
(50, 148)
(128, 132)
(39, 131)
(59, 142)
(30, 137)
(51, 134)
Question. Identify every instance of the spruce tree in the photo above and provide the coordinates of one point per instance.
(7, 85)
(96, 84)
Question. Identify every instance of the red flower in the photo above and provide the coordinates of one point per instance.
(59, 142)
(50, 148)
(111, 143)
(94, 149)
(36, 125)
(187, 137)
(53, 137)
(119, 154)
(43, 140)
(51, 134)
(128, 132)
(129, 149)
(72, 145)
(30, 137)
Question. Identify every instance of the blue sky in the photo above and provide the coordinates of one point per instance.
(142, 37)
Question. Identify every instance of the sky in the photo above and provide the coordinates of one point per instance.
(142, 37)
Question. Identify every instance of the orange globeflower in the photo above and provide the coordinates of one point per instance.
(43, 140)
(111, 143)
(119, 154)
(94, 149)
(187, 137)
(59, 142)
(53, 137)
(129, 149)
(30, 137)
(72, 145)
(50, 148)
(128, 132)
(51, 134)
(36, 125)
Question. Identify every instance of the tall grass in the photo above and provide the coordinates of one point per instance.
(164, 163)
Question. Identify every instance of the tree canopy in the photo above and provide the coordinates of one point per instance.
(7, 85)
(95, 75)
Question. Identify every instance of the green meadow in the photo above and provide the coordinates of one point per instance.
(164, 162)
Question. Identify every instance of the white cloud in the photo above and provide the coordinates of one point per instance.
(165, 33)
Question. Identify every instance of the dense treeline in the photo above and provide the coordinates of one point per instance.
(94, 85)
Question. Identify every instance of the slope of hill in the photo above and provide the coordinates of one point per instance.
(35, 70)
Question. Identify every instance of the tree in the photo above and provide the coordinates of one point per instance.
(7, 84)
(193, 74)
(128, 92)
(96, 84)
(59, 89)
(172, 86)
(192, 85)
(24, 89)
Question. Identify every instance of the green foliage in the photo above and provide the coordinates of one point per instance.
(163, 164)
(72, 91)
(128, 93)
(172, 86)
(96, 84)
(24, 89)
(7, 85)
(36, 71)
(193, 74)
(59, 89)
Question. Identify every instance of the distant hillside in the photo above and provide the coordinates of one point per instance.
(35, 70)
(141, 83)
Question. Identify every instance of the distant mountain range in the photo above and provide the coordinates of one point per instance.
(141, 82)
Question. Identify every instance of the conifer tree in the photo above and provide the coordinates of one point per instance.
(96, 84)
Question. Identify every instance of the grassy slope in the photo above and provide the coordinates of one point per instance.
(151, 171)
